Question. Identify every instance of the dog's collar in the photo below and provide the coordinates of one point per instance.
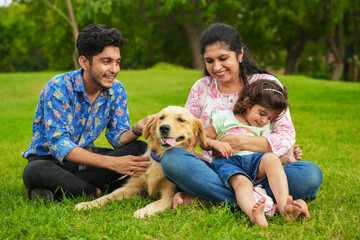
(154, 156)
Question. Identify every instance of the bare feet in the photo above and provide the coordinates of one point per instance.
(296, 150)
(183, 198)
(98, 192)
(294, 154)
(291, 210)
(304, 211)
(179, 199)
(258, 216)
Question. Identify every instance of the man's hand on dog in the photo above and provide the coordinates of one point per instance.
(139, 126)
(131, 165)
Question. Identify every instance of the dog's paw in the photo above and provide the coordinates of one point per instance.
(143, 213)
(83, 206)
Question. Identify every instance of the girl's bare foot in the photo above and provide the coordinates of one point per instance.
(258, 216)
(292, 209)
(304, 211)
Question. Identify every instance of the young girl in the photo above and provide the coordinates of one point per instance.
(258, 105)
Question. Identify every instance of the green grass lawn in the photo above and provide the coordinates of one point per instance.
(326, 117)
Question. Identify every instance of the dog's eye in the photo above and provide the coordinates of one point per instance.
(181, 120)
(162, 118)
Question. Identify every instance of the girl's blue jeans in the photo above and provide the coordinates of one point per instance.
(192, 175)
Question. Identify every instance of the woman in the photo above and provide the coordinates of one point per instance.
(228, 67)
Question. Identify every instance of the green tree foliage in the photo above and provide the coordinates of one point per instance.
(298, 36)
(286, 25)
(18, 49)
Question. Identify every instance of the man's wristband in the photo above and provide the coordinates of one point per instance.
(135, 132)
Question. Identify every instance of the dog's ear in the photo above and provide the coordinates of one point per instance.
(199, 131)
(150, 126)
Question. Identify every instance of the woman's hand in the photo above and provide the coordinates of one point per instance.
(250, 143)
(234, 141)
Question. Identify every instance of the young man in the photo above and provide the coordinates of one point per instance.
(74, 108)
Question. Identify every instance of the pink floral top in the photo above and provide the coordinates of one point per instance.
(205, 97)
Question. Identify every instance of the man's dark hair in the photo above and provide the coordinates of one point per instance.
(95, 37)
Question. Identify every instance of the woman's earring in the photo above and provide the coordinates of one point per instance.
(240, 61)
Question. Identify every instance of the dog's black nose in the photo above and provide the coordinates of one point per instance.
(164, 129)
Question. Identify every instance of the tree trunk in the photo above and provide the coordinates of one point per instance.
(335, 45)
(192, 32)
(294, 51)
(75, 32)
(338, 71)
(11, 65)
(193, 35)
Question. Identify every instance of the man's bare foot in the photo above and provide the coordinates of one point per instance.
(304, 211)
(291, 210)
(258, 215)
(98, 192)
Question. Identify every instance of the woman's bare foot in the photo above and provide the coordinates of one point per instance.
(291, 210)
(304, 211)
(294, 154)
(183, 198)
(258, 215)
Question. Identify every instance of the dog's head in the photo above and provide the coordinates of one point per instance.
(173, 126)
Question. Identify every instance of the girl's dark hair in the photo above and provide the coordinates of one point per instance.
(265, 93)
(223, 33)
(95, 37)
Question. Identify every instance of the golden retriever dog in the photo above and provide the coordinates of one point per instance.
(172, 126)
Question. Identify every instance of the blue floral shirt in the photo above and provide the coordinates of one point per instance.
(64, 117)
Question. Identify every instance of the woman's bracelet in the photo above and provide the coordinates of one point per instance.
(135, 132)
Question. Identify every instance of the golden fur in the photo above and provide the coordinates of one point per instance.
(172, 126)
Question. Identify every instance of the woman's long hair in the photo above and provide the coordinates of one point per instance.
(223, 33)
